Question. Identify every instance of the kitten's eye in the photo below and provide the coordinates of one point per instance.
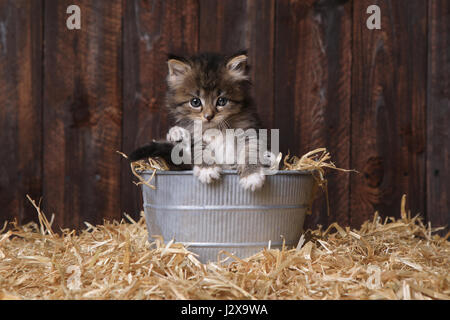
(222, 101)
(196, 102)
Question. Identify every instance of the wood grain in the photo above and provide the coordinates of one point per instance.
(151, 31)
(377, 99)
(388, 109)
(20, 108)
(312, 91)
(82, 113)
(438, 115)
(230, 26)
(261, 40)
(224, 26)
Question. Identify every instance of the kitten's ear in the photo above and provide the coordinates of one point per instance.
(237, 66)
(178, 68)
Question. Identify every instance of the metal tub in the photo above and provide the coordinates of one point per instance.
(222, 216)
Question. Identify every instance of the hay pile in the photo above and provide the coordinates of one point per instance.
(390, 259)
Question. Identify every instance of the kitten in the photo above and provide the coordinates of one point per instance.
(215, 90)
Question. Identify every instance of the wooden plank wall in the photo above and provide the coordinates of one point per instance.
(312, 84)
(82, 114)
(438, 113)
(377, 99)
(388, 108)
(20, 107)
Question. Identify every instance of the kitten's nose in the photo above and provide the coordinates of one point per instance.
(208, 116)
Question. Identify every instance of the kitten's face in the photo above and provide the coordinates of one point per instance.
(209, 87)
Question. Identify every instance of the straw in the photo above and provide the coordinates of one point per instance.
(383, 259)
(315, 161)
(146, 165)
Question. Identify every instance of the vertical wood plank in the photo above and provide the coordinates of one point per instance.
(20, 108)
(152, 29)
(388, 109)
(229, 26)
(82, 112)
(312, 91)
(438, 114)
(223, 26)
(261, 34)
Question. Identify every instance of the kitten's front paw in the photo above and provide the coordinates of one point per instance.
(207, 174)
(253, 181)
(177, 134)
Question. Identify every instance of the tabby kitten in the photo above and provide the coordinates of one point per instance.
(212, 89)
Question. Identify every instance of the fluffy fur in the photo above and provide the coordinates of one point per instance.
(220, 88)
(208, 76)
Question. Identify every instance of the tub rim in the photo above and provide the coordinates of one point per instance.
(226, 172)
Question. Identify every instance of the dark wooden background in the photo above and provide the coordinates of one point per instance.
(379, 100)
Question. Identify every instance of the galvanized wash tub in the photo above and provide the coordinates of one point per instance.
(222, 216)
